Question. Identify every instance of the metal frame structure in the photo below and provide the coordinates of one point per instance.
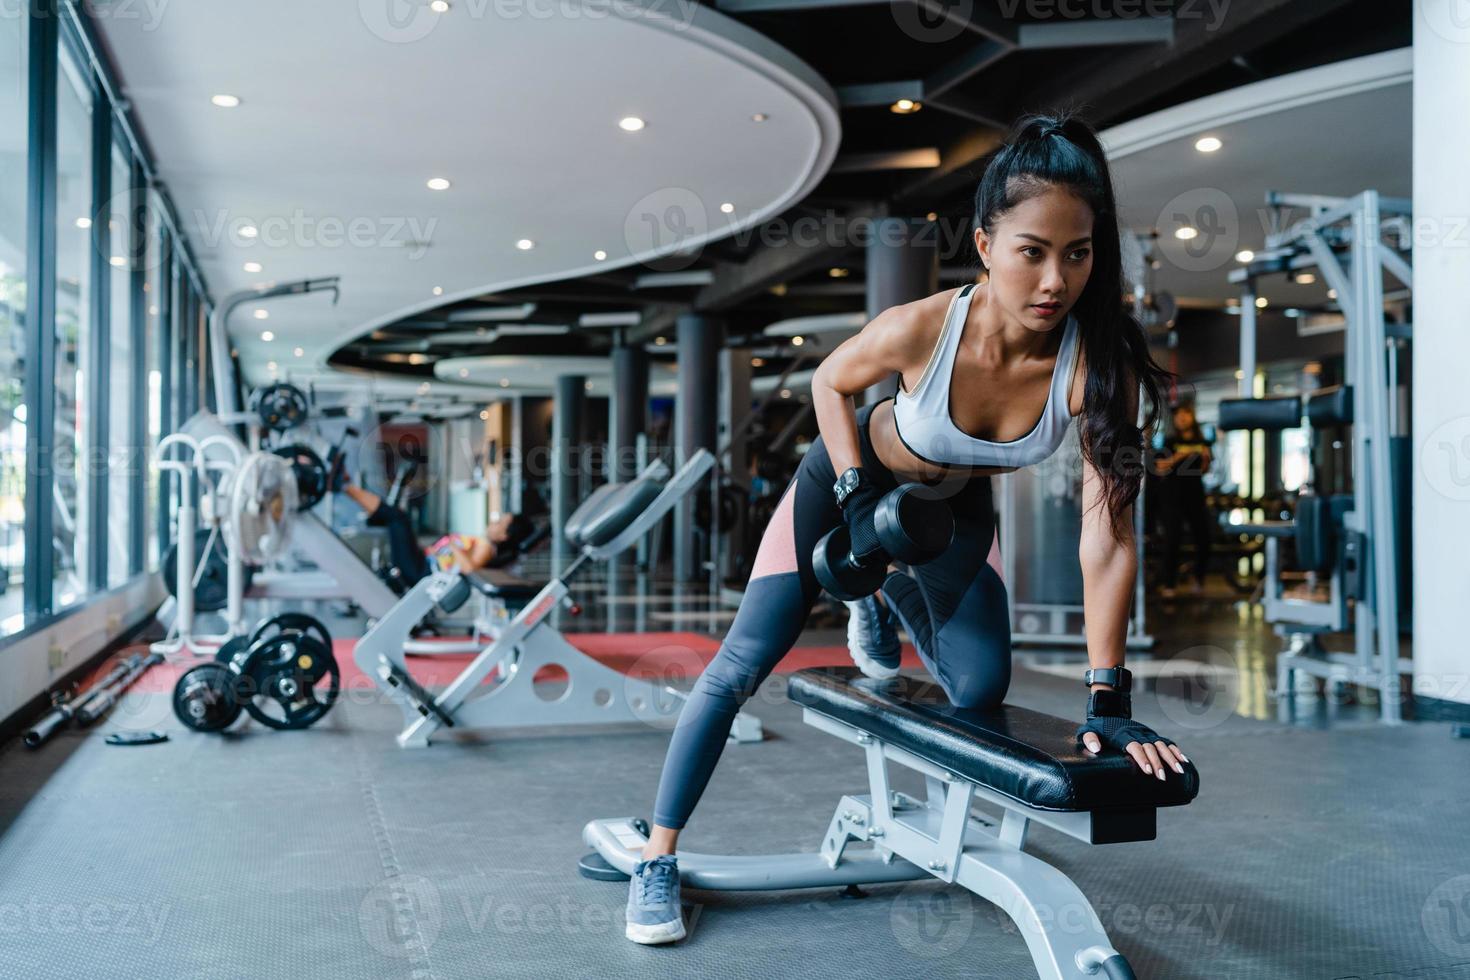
(913, 839)
(595, 695)
(1356, 225)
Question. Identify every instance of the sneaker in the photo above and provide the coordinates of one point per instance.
(872, 638)
(654, 913)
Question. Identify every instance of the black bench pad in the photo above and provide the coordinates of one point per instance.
(500, 584)
(1025, 755)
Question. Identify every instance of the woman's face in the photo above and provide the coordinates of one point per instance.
(1039, 258)
(1183, 418)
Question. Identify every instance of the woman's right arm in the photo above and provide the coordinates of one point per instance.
(889, 344)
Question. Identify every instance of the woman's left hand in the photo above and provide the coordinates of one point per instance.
(1142, 744)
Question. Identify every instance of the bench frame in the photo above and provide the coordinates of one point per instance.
(913, 839)
(594, 694)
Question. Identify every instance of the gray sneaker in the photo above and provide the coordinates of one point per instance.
(654, 913)
(872, 638)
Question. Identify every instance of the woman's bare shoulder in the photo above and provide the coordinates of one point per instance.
(908, 331)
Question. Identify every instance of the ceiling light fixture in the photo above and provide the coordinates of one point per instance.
(252, 267)
(631, 124)
(225, 101)
(1207, 144)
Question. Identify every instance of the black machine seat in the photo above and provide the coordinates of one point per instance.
(610, 511)
(497, 583)
(1027, 756)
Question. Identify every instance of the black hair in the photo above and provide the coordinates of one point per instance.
(1059, 149)
(518, 530)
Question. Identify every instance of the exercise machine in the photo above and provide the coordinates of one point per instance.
(496, 690)
(1357, 539)
(1026, 764)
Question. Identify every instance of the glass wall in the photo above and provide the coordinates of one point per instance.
(121, 465)
(100, 314)
(13, 149)
(75, 341)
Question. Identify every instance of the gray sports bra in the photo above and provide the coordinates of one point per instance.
(922, 416)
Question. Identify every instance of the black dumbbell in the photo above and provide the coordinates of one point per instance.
(914, 525)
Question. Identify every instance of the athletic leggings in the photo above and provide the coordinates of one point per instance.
(953, 608)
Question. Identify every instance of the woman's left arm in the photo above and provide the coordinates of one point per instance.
(1109, 569)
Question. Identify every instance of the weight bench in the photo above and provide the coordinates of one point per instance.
(500, 592)
(497, 689)
(1027, 764)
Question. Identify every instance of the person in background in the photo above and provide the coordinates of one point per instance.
(1182, 468)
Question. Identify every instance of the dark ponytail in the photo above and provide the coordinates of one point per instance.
(1061, 150)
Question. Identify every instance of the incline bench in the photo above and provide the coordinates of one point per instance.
(1026, 763)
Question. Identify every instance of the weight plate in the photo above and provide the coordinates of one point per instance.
(292, 622)
(311, 474)
(211, 582)
(290, 680)
(205, 698)
(281, 406)
(231, 649)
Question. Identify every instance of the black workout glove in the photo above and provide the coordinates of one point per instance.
(1117, 733)
(857, 513)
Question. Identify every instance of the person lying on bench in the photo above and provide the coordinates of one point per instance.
(991, 377)
(499, 545)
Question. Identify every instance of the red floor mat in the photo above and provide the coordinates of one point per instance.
(669, 656)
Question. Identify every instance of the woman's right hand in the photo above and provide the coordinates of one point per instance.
(857, 514)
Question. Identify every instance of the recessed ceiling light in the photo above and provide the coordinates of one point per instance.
(932, 216)
(631, 124)
(438, 290)
(252, 267)
(117, 261)
(1207, 144)
(1261, 302)
(727, 207)
(1185, 233)
(757, 362)
(906, 106)
(267, 336)
(1244, 255)
(249, 231)
(1332, 294)
(439, 6)
(599, 255)
(262, 314)
(505, 382)
(271, 367)
(798, 340)
(525, 244)
(464, 372)
(84, 222)
(660, 341)
(759, 117)
(419, 359)
(225, 101)
(779, 289)
(438, 183)
(838, 273)
(299, 352)
(1305, 278)
(785, 392)
(484, 415)
(587, 385)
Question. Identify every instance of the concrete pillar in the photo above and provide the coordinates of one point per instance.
(902, 266)
(568, 414)
(1441, 349)
(699, 342)
(735, 405)
(629, 410)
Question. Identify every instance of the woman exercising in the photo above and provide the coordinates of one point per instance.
(991, 375)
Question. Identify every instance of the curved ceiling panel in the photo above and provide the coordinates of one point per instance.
(346, 112)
